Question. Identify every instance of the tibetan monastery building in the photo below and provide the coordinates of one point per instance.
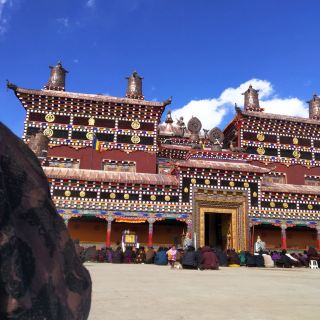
(259, 176)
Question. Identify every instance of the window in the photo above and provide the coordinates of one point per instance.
(64, 163)
(275, 177)
(312, 180)
(119, 166)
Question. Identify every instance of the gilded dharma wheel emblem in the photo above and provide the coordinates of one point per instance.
(261, 150)
(49, 117)
(112, 195)
(167, 198)
(207, 181)
(246, 184)
(153, 197)
(48, 132)
(135, 124)
(91, 121)
(272, 204)
(231, 183)
(82, 194)
(186, 189)
(67, 193)
(126, 196)
(90, 135)
(285, 205)
(135, 139)
(254, 194)
(260, 136)
(193, 181)
(296, 154)
(295, 140)
(310, 206)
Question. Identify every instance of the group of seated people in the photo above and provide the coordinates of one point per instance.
(208, 258)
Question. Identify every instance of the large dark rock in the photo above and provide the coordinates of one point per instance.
(41, 276)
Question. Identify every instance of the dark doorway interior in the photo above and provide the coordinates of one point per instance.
(217, 226)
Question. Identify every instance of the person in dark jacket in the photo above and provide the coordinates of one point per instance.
(251, 260)
(117, 256)
(233, 258)
(222, 257)
(209, 260)
(161, 257)
(127, 256)
(284, 261)
(141, 256)
(189, 260)
(198, 257)
(150, 255)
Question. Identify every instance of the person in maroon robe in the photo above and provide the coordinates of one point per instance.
(41, 275)
(209, 260)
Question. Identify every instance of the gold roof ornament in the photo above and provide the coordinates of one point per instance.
(126, 196)
(82, 194)
(260, 136)
(90, 135)
(295, 140)
(254, 194)
(91, 121)
(231, 184)
(272, 204)
(112, 195)
(296, 153)
(135, 139)
(186, 189)
(67, 193)
(261, 151)
(167, 198)
(246, 184)
(207, 181)
(50, 117)
(48, 132)
(135, 124)
(193, 181)
(285, 205)
(310, 206)
(153, 197)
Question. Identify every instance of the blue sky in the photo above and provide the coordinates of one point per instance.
(203, 53)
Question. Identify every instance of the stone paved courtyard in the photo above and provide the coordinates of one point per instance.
(138, 292)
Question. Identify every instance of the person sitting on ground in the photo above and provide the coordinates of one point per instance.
(251, 260)
(160, 258)
(127, 256)
(172, 256)
(117, 255)
(268, 262)
(189, 260)
(198, 256)
(209, 260)
(303, 258)
(275, 255)
(295, 260)
(222, 257)
(284, 261)
(150, 255)
(141, 256)
(108, 255)
(242, 257)
(259, 260)
(312, 254)
(233, 258)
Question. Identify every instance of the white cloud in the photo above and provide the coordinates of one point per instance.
(4, 4)
(63, 22)
(91, 3)
(211, 111)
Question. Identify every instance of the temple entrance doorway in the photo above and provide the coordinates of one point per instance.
(217, 230)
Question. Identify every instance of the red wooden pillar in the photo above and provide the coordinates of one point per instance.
(318, 237)
(108, 235)
(283, 236)
(150, 231)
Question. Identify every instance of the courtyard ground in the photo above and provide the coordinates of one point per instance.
(138, 292)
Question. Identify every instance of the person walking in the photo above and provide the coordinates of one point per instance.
(172, 256)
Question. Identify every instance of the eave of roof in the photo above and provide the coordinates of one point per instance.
(95, 97)
(109, 176)
(227, 166)
(290, 188)
(279, 117)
